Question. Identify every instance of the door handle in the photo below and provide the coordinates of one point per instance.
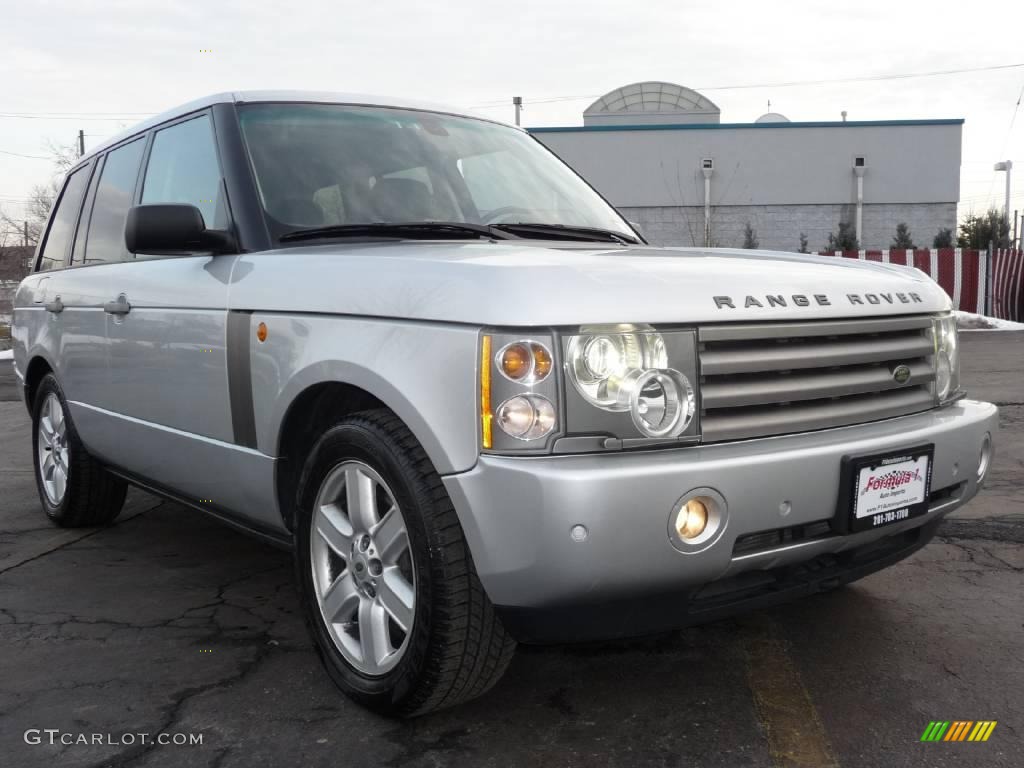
(119, 307)
(56, 306)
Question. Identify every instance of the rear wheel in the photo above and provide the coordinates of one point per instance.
(394, 604)
(74, 488)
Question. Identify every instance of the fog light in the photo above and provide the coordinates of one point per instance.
(697, 520)
(692, 519)
(985, 459)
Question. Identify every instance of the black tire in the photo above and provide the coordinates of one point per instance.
(92, 496)
(457, 648)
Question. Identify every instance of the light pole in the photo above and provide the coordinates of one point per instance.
(1006, 165)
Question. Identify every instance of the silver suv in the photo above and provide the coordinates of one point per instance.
(416, 349)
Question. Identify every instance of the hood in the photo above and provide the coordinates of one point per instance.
(535, 284)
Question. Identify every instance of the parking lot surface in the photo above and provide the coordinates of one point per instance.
(167, 622)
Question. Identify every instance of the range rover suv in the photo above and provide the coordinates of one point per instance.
(419, 351)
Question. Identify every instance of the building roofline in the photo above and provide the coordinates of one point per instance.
(758, 126)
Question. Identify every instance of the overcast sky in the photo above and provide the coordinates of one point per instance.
(104, 64)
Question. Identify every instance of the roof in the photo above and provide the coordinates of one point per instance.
(652, 96)
(759, 126)
(302, 97)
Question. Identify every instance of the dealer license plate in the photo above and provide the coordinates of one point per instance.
(889, 488)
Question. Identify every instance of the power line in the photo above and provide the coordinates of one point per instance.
(77, 114)
(18, 154)
(22, 116)
(867, 78)
(788, 84)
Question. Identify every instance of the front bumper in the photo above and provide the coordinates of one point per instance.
(518, 514)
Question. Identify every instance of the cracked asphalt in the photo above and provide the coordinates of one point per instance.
(167, 622)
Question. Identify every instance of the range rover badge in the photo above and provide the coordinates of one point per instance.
(901, 374)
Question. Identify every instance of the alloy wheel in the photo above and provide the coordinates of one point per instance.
(363, 574)
(53, 449)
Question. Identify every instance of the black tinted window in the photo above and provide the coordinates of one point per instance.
(183, 168)
(62, 225)
(78, 249)
(320, 164)
(113, 199)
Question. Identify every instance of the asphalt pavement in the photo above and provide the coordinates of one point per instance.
(169, 623)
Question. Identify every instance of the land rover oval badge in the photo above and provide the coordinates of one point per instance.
(901, 374)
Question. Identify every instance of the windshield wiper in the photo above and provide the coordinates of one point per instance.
(565, 232)
(413, 229)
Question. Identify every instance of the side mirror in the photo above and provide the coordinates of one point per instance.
(173, 228)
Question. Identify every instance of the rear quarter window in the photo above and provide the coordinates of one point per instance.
(53, 254)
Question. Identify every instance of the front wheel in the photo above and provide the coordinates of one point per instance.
(394, 604)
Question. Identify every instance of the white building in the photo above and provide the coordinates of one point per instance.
(660, 153)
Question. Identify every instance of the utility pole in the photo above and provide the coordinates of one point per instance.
(1013, 243)
(25, 233)
(81, 143)
(517, 102)
(1006, 165)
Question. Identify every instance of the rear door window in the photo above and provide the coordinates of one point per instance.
(62, 225)
(105, 241)
(183, 168)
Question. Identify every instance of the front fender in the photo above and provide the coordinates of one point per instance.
(424, 372)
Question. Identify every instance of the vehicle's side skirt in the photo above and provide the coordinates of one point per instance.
(275, 538)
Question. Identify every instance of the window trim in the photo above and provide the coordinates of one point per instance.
(90, 166)
(101, 164)
(85, 215)
(147, 135)
(144, 168)
(100, 158)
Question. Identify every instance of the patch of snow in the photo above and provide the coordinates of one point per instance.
(7, 355)
(968, 321)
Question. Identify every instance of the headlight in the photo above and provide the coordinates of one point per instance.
(947, 357)
(526, 417)
(661, 402)
(602, 360)
(626, 368)
(519, 394)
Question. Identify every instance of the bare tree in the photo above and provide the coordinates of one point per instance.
(40, 200)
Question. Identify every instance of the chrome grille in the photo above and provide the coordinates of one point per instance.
(778, 378)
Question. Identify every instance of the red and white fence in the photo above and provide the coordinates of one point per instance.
(987, 284)
(1007, 283)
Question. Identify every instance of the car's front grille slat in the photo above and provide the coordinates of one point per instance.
(734, 392)
(783, 355)
(771, 379)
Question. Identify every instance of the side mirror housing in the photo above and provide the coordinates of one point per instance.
(173, 228)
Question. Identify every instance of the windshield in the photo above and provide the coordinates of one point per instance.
(324, 165)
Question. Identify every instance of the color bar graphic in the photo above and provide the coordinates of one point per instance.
(958, 730)
(935, 730)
